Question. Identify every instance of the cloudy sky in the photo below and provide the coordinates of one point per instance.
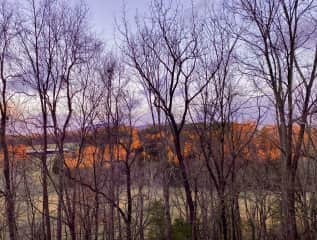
(104, 12)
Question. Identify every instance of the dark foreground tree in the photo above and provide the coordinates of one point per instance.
(281, 59)
(7, 38)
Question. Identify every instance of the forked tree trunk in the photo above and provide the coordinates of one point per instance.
(186, 185)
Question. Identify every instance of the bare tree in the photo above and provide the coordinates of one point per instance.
(279, 37)
(166, 51)
(32, 36)
(55, 46)
(73, 49)
(221, 140)
(7, 35)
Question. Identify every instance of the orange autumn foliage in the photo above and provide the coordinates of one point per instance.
(93, 155)
(16, 152)
(264, 146)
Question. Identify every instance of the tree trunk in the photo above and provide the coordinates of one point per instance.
(289, 209)
(224, 225)
(129, 199)
(141, 204)
(46, 212)
(168, 221)
(96, 216)
(60, 192)
(186, 185)
(9, 198)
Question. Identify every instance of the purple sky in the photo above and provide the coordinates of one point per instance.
(104, 12)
